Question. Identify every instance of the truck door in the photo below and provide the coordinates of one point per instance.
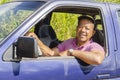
(107, 69)
(115, 14)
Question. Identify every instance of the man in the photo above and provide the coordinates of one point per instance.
(82, 47)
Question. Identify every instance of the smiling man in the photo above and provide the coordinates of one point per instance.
(82, 46)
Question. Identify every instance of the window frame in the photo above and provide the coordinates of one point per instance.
(62, 5)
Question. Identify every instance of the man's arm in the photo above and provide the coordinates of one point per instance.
(94, 57)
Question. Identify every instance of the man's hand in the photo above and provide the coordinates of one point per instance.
(64, 53)
(32, 34)
(45, 49)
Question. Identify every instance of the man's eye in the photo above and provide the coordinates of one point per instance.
(87, 29)
(80, 26)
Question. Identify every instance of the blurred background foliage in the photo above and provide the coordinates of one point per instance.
(64, 23)
(114, 1)
(4, 1)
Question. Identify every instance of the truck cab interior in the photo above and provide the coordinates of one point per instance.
(45, 29)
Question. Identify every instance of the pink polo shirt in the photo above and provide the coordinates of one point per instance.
(71, 44)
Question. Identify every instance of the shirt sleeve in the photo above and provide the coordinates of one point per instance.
(67, 44)
(96, 46)
(61, 47)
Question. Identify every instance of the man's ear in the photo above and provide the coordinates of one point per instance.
(94, 31)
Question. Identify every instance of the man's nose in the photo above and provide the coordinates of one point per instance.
(83, 29)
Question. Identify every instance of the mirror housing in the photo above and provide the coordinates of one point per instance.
(26, 47)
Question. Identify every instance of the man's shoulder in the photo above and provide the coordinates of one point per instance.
(96, 46)
(95, 43)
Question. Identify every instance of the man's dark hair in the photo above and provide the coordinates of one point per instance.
(86, 17)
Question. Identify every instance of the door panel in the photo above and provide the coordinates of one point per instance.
(8, 71)
(107, 67)
(115, 13)
(64, 69)
(51, 69)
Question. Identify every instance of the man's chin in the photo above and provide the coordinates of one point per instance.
(82, 40)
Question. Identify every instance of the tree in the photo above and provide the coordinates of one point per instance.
(114, 1)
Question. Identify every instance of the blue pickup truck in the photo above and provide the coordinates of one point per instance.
(20, 58)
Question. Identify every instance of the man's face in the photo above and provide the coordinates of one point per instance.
(85, 30)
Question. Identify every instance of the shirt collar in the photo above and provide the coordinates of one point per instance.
(75, 40)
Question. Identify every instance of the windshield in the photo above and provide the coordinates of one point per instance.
(13, 14)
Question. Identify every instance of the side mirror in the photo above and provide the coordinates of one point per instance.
(26, 47)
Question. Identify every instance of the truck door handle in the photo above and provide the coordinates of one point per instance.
(103, 76)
